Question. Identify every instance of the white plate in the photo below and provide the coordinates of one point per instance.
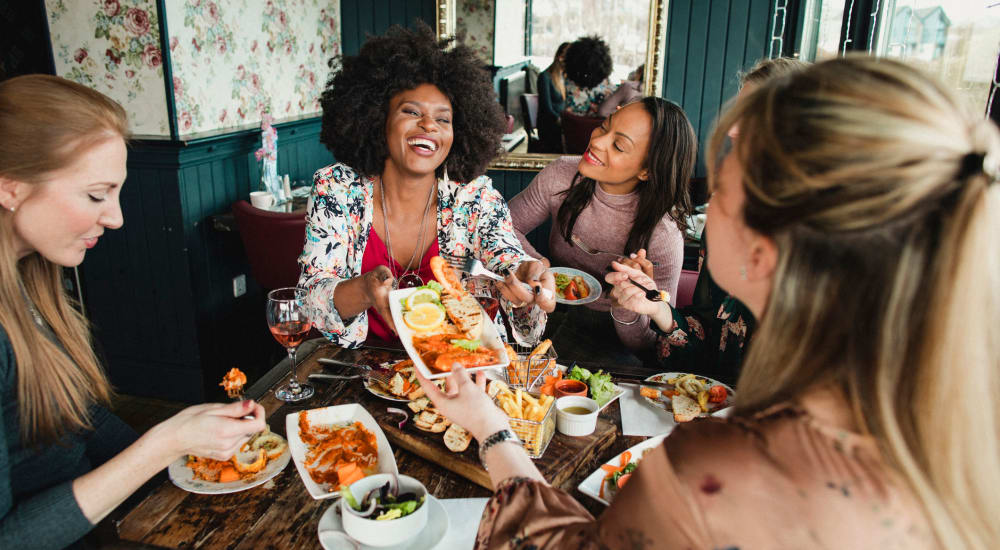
(591, 486)
(663, 403)
(432, 533)
(377, 390)
(489, 337)
(337, 414)
(592, 283)
(183, 477)
(541, 380)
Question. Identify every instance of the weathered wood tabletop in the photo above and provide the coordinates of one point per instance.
(280, 513)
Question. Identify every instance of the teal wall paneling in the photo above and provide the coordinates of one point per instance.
(708, 43)
(359, 18)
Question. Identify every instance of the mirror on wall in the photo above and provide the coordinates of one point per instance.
(518, 39)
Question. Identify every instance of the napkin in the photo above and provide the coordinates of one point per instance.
(639, 418)
(463, 516)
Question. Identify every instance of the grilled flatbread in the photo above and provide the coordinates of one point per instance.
(457, 439)
(465, 312)
(685, 408)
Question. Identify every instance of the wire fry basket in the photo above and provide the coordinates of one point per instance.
(525, 368)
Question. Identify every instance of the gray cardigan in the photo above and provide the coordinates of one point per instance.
(37, 506)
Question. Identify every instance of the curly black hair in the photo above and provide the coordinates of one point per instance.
(588, 61)
(356, 100)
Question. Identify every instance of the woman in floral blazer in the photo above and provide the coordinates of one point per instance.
(400, 116)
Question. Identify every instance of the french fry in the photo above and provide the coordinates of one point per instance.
(529, 399)
(542, 348)
(518, 400)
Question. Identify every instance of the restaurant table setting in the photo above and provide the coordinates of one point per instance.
(357, 448)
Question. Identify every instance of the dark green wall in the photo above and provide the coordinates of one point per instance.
(362, 17)
(708, 43)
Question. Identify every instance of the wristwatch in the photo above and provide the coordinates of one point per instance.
(501, 436)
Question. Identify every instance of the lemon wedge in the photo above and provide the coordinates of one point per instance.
(422, 296)
(424, 317)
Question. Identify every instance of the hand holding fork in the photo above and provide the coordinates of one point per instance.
(532, 283)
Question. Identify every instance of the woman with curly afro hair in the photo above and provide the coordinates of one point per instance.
(588, 66)
(412, 125)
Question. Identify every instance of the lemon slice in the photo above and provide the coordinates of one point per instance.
(422, 296)
(424, 317)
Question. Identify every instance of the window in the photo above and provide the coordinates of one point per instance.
(955, 40)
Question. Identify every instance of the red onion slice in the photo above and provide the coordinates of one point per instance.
(406, 415)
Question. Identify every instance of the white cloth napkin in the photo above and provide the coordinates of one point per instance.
(463, 515)
(639, 418)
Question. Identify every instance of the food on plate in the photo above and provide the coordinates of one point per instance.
(549, 387)
(446, 276)
(457, 439)
(685, 408)
(403, 382)
(601, 389)
(339, 454)
(618, 476)
(651, 393)
(465, 312)
(424, 317)
(384, 503)
(252, 459)
(448, 322)
(690, 396)
(233, 383)
(429, 420)
(526, 413)
(441, 351)
(571, 287)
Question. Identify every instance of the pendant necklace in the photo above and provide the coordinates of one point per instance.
(409, 278)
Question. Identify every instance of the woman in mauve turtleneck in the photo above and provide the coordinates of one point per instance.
(627, 194)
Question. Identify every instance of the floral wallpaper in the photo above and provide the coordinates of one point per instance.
(474, 18)
(113, 46)
(235, 60)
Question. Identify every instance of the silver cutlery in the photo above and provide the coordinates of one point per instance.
(470, 265)
(594, 252)
(324, 376)
(380, 374)
(651, 295)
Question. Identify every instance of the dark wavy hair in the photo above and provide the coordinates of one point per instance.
(673, 151)
(588, 61)
(356, 100)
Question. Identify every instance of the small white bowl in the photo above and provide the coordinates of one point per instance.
(386, 532)
(576, 424)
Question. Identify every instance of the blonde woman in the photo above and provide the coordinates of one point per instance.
(858, 225)
(65, 460)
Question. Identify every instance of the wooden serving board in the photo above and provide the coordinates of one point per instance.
(561, 460)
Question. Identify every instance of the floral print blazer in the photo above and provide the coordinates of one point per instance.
(472, 219)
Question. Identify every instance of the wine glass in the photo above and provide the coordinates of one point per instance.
(289, 323)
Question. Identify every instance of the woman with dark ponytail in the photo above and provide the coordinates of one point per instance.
(627, 194)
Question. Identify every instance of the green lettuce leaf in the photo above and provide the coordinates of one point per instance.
(469, 345)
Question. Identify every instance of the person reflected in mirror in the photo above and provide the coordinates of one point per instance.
(66, 460)
(412, 122)
(711, 334)
(551, 102)
(857, 220)
(588, 65)
(627, 92)
(628, 193)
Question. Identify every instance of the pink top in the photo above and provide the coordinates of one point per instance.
(375, 255)
(604, 224)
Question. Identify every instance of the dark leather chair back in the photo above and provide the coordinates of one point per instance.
(576, 131)
(529, 105)
(273, 241)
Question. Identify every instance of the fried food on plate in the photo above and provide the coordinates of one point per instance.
(465, 312)
(233, 383)
(447, 277)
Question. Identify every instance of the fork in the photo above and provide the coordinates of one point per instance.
(651, 295)
(379, 374)
(470, 265)
(474, 267)
(594, 252)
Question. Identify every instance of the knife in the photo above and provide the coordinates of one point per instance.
(661, 385)
(322, 376)
(338, 363)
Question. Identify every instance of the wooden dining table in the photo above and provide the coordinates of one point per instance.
(281, 513)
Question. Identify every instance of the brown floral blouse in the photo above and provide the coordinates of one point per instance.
(794, 476)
